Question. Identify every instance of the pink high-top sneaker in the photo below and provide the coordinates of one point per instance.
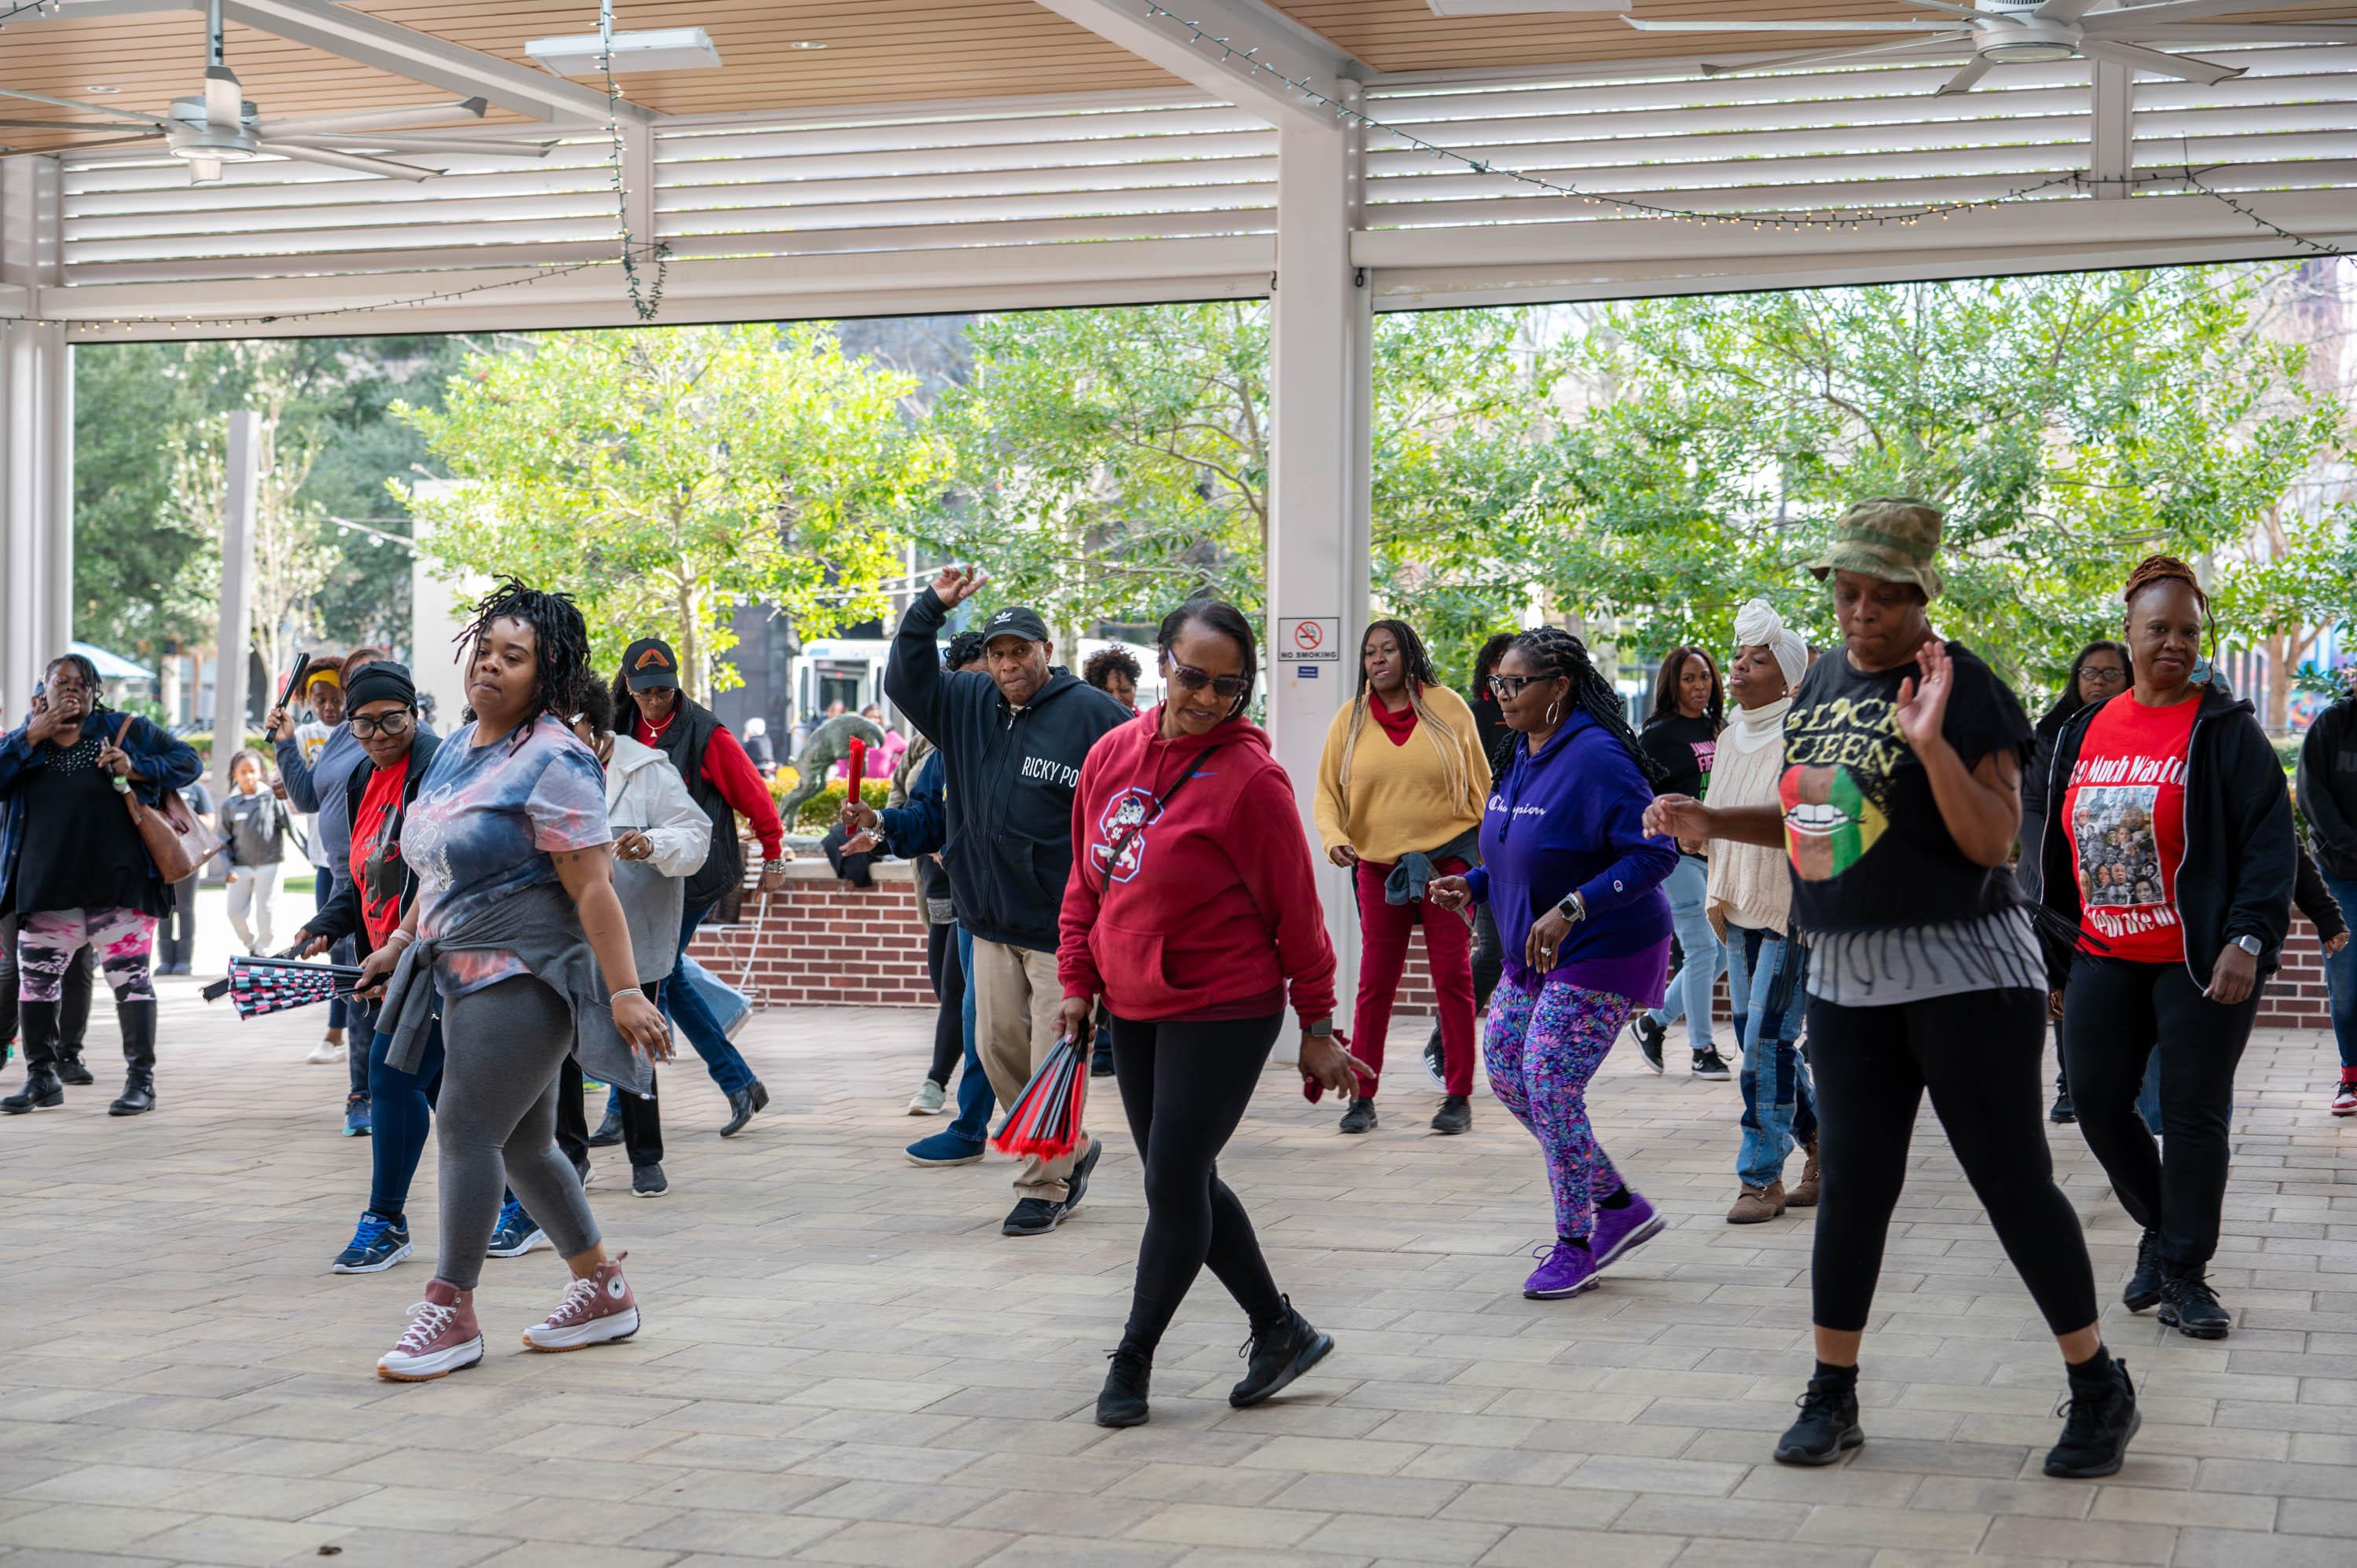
(442, 1337)
(594, 1311)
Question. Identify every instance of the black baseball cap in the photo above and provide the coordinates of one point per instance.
(1015, 621)
(649, 662)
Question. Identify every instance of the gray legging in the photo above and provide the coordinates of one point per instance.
(497, 1122)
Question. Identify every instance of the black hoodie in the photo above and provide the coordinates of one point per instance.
(2328, 787)
(2240, 853)
(1012, 774)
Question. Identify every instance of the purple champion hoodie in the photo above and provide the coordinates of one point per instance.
(1572, 817)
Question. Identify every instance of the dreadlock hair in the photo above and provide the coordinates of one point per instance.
(1454, 775)
(560, 640)
(1561, 656)
(1672, 673)
(2156, 569)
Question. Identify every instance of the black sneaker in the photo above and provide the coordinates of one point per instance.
(1360, 1117)
(1274, 1359)
(1076, 1185)
(1455, 1115)
(1436, 1061)
(1122, 1401)
(1650, 1038)
(608, 1134)
(2101, 1416)
(1709, 1064)
(2064, 1112)
(1828, 1425)
(376, 1246)
(2189, 1305)
(2144, 1285)
(647, 1180)
(1032, 1217)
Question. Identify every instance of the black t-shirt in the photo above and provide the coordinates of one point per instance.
(1490, 721)
(1685, 748)
(1870, 849)
(82, 849)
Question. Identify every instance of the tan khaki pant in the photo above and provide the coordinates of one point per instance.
(1016, 999)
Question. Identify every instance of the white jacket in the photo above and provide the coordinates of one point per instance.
(645, 792)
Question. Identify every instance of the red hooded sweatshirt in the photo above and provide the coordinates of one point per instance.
(1214, 900)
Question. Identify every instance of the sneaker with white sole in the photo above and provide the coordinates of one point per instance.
(325, 1052)
(931, 1099)
(516, 1233)
(594, 1311)
(2344, 1096)
(442, 1337)
(376, 1246)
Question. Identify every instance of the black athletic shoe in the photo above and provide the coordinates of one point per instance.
(1711, 1065)
(1076, 1185)
(2101, 1416)
(1436, 1061)
(648, 1180)
(1032, 1217)
(1455, 1115)
(2189, 1305)
(2064, 1112)
(1827, 1427)
(1650, 1038)
(1122, 1401)
(2144, 1285)
(608, 1134)
(1274, 1359)
(1360, 1117)
(72, 1070)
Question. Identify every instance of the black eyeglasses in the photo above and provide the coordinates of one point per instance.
(2103, 673)
(1506, 688)
(1232, 688)
(394, 725)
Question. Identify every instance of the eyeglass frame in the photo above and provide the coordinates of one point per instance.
(1507, 694)
(377, 725)
(2105, 673)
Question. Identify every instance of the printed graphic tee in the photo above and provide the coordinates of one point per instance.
(1868, 847)
(2124, 807)
(487, 824)
(1685, 748)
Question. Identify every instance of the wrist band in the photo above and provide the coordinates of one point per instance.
(626, 991)
(404, 936)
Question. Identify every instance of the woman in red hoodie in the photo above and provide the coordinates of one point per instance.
(1192, 906)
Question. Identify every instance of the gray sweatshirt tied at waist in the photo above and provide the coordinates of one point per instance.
(1417, 869)
(541, 926)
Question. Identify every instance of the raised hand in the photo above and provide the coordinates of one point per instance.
(956, 584)
(1922, 708)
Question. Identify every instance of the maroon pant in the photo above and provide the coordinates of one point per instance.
(1448, 948)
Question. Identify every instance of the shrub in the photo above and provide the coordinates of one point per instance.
(820, 812)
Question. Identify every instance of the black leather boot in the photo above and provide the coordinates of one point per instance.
(43, 1090)
(138, 1096)
(70, 1065)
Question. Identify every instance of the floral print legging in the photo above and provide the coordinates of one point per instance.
(47, 940)
(1541, 1047)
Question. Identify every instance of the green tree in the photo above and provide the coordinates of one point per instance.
(665, 476)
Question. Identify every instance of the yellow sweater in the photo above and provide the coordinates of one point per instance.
(1399, 799)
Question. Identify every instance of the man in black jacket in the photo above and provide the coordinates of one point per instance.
(1012, 738)
(2328, 799)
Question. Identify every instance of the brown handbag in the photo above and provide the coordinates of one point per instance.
(177, 841)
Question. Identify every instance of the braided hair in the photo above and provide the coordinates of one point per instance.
(1559, 655)
(560, 644)
(2154, 570)
(1455, 776)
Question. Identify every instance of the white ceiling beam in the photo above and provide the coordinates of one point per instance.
(1246, 51)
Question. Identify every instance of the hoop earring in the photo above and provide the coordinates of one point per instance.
(1554, 710)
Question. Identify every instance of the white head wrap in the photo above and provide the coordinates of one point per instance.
(757, 726)
(1757, 623)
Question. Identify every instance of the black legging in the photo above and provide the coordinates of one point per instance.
(642, 1118)
(2115, 1014)
(1981, 1055)
(949, 990)
(1185, 1086)
(1489, 963)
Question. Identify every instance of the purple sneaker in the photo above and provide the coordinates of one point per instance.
(1618, 1230)
(1565, 1269)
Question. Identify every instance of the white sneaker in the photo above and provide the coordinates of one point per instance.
(325, 1052)
(931, 1099)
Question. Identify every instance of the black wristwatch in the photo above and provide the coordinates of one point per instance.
(1321, 1029)
(1574, 908)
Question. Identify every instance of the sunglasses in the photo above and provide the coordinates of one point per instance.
(391, 724)
(1231, 688)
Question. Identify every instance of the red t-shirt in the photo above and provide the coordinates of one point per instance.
(2125, 810)
(375, 866)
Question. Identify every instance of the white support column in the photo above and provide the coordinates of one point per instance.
(2111, 154)
(235, 637)
(35, 437)
(1321, 350)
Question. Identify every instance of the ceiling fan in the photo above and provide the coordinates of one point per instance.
(1997, 33)
(218, 125)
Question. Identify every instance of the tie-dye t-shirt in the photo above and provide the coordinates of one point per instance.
(487, 824)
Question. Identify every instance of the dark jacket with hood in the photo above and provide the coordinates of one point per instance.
(2327, 787)
(340, 917)
(1012, 773)
(2240, 854)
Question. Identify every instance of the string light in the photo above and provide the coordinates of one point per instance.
(174, 323)
(646, 300)
(37, 8)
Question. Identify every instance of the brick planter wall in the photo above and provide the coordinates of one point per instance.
(823, 943)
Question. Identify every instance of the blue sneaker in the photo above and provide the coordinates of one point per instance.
(944, 1149)
(376, 1246)
(516, 1233)
(356, 1116)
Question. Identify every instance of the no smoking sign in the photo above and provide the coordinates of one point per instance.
(1309, 640)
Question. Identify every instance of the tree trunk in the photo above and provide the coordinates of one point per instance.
(692, 673)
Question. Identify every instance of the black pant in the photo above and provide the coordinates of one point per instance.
(641, 1119)
(1982, 1056)
(2114, 1016)
(74, 1012)
(176, 933)
(1185, 1086)
(949, 990)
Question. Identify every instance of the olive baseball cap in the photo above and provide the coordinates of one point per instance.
(1889, 538)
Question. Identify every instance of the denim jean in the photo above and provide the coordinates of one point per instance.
(689, 1011)
(974, 1099)
(402, 1110)
(2341, 974)
(1764, 973)
(1690, 986)
(2147, 1101)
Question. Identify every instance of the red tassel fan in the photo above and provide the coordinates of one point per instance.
(1045, 1119)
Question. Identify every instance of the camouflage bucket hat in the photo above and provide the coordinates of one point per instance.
(1890, 539)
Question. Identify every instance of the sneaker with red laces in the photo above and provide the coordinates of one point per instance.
(443, 1338)
(594, 1311)
(2344, 1099)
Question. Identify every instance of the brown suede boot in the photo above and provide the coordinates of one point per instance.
(1757, 1205)
(1804, 1192)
